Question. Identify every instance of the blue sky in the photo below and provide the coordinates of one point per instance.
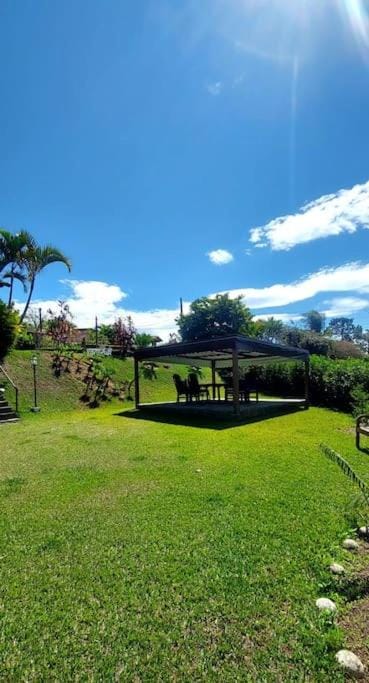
(170, 147)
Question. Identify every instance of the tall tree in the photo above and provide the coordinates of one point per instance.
(36, 258)
(124, 334)
(12, 249)
(59, 325)
(314, 321)
(216, 317)
(343, 328)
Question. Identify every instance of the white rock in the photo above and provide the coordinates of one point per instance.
(350, 663)
(326, 604)
(337, 568)
(350, 544)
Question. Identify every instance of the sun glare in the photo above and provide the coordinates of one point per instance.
(358, 17)
(276, 29)
(283, 29)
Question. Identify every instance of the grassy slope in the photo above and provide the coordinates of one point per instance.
(63, 393)
(139, 550)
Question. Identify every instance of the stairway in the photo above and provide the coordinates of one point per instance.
(7, 414)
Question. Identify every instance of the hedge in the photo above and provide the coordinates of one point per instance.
(331, 381)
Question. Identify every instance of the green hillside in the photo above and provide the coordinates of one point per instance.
(64, 392)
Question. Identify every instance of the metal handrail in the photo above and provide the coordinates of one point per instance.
(14, 387)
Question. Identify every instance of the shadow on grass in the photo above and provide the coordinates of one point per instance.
(217, 422)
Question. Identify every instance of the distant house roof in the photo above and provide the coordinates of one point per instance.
(250, 351)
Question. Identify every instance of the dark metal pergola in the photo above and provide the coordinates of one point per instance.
(234, 352)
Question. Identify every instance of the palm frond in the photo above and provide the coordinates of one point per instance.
(16, 275)
(50, 254)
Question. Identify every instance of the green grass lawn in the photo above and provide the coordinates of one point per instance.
(134, 550)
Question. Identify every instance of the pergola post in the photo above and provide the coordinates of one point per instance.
(236, 382)
(213, 377)
(307, 382)
(137, 384)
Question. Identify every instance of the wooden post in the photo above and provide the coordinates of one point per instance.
(213, 377)
(137, 384)
(236, 382)
(307, 383)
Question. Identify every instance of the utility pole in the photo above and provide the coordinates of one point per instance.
(96, 332)
(181, 307)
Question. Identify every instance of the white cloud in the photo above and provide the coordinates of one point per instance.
(220, 257)
(332, 214)
(89, 298)
(351, 277)
(345, 306)
(215, 88)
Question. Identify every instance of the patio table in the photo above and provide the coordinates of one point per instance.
(215, 387)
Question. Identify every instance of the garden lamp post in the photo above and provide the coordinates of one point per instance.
(35, 408)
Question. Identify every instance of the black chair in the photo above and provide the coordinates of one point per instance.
(181, 387)
(248, 389)
(245, 391)
(196, 390)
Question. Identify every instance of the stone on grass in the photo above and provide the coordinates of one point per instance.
(350, 544)
(326, 604)
(337, 568)
(350, 663)
(364, 531)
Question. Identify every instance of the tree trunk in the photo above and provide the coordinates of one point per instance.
(28, 299)
(11, 288)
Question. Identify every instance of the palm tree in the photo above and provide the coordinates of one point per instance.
(12, 248)
(36, 258)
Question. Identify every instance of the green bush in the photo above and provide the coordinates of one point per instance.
(25, 339)
(8, 329)
(360, 401)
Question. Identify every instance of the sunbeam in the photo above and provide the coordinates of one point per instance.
(293, 129)
(358, 16)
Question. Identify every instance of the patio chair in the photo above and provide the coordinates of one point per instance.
(181, 387)
(243, 394)
(248, 389)
(195, 389)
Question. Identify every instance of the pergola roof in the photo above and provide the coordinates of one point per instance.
(250, 351)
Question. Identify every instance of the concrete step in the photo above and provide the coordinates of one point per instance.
(11, 417)
(7, 414)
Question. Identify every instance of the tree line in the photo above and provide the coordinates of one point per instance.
(221, 316)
